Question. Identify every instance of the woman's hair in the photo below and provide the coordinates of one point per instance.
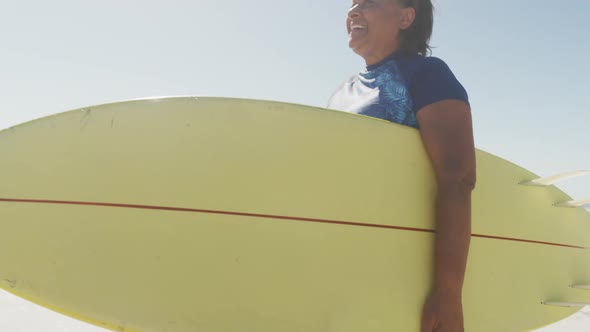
(415, 38)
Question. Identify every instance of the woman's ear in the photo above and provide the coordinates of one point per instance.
(408, 16)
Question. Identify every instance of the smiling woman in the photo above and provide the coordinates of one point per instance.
(396, 24)
(402, 84)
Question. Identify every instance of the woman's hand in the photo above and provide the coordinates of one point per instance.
(443, 312)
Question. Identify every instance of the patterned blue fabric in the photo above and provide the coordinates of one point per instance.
(397, 88)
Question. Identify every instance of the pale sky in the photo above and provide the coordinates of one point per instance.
(522, 63)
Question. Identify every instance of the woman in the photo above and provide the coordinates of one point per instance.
(403, 85)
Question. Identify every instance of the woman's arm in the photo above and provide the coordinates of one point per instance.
(447, 135)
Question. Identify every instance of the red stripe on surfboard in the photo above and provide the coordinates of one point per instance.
(526, 241)
(323, 221)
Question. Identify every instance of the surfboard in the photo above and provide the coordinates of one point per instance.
(231, 215)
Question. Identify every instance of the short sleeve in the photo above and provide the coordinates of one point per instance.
(434, 82)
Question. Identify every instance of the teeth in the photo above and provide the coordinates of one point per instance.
(356, 26)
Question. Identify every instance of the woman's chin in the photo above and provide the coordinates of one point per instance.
(354, 45)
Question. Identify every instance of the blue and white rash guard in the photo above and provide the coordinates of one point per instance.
(396, 88)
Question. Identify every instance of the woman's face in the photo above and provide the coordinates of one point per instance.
(374, 26)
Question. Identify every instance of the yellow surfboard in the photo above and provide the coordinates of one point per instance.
(227, 215)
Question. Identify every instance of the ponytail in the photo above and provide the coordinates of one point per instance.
(415, 39)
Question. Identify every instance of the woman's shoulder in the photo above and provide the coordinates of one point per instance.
(431, 80)
(418, 68)
(434, 63)
(422, 63)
